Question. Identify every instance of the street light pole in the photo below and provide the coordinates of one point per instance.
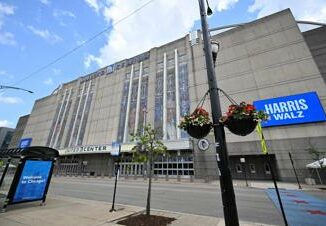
(228, 197)
(12, 87)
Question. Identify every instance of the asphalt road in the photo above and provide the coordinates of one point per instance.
(201, 199)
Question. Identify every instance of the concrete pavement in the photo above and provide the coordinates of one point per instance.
(61, 210)
(263, 184)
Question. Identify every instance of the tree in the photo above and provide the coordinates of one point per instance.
(317, 155)
(147, 148)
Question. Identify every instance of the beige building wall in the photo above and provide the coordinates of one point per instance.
(40, 120)
(263, 59)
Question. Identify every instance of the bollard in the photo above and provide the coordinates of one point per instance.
(191, 178)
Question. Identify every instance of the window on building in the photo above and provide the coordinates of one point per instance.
(145, 71)
(160, 66)
(267, 169)
(252, 168)
(238, 168)
(158, 118)
(183, 93)
(170, 63)
(123, 107)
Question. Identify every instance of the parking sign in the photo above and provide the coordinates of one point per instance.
(115, 151)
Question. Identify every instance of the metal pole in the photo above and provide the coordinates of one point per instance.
(116, 180)
(227, 191)
(295, 172)
(148, 204)
(277, 191)
(321, 182)
(245, 173)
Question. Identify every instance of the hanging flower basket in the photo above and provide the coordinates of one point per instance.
(241, 127)
(197, 124)
(199, 132)
(242, 119)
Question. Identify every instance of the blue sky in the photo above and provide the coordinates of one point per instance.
(33, 33)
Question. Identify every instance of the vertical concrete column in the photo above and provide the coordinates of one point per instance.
(78, 108)
(177, 107)
(83, 113)
(56, 122)
(164, 96)
(138, 96)
(63, 116)
(125, 132)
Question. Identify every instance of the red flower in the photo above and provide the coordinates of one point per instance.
(250, 107)
(243, 111)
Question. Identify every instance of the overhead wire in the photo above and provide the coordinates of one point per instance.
(42, 68)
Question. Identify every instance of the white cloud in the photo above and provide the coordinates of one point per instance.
(95, 4)
(63, 13)
(5, 123)
(91, 58)
(45, 2)
(5, 76)
(5, 10)
(10, 100)
(56, 71)
(45, 34)
(159, 22)
(48, 81)
(7, 38)
(311, 10)
(224, 4)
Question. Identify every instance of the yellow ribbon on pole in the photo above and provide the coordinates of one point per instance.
(262, 138)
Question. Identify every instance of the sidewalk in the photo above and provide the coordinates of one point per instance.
(67, 211)
(280, 184)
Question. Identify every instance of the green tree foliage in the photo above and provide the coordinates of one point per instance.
(147, 148)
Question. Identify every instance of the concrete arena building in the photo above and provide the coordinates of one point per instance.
(266, 58)
(18, 133)
(5, 136)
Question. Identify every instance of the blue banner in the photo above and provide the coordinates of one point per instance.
(294, 109)
(115, 151)
(25, 143)
(33, 180)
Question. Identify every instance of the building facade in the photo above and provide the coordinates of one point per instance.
(18, 133)
(263, 59)
(5, 137)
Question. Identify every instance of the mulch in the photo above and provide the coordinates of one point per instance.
(144, 220)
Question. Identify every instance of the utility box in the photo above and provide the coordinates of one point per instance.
(29, 171)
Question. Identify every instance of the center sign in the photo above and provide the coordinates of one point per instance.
(294, 109)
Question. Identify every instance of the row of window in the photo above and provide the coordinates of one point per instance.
(252, 168)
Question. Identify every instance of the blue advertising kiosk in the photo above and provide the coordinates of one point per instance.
(32, 176)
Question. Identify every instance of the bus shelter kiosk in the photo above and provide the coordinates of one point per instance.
(32, 174)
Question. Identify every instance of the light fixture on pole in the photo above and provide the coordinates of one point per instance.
(227, 190)
(12, 87)
(209, 10)
(215, 48)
